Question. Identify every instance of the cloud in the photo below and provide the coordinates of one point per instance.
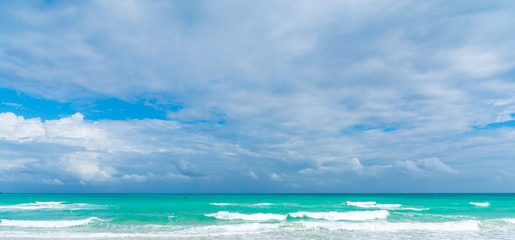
(87, 166)
(187, 169)
(274, 176)
(342, 88)
(8, 164)
(425, 165)
(252, 174)
(16, 105)
(100, 151)
(355, 165)
(134, 177)
(17, 128)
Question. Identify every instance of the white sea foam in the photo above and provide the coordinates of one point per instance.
(374, 205)
(480, 204)
(247, 217)
(351, 216)
(414, 209)
(47, 224)
(47, 206)
(262, 204)
(173, 232)
(284, 230)
(246, 205)
(223, 204)
(470, 225)
(382, 206)
(361, 204)
(509, 220)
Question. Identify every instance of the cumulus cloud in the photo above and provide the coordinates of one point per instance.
(87, 165)
(96, 151)
(355, 165)
(18, 128)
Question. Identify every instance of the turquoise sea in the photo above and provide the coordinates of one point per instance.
(257, 216)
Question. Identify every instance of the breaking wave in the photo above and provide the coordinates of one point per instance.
(470, 225)
(509, 220)
(47, 206)
(480, 204)
(372, 204)
(47, 224)
(223, 204)
(351, 216)
(224, 215)
(246, 205)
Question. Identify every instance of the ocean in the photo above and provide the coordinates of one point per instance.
(257, 216)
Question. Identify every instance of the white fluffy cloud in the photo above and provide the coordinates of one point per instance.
(17, 128)
(98, 147)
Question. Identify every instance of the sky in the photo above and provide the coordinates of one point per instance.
(257, 96)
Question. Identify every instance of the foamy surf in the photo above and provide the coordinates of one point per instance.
(224, 215)
(471, 225)
(223, 204)
(350, 216)
(480, 204)
(262, 204)
(244, 205)
(509, 220)
(372, 204)
(47, 224)
(47, 206)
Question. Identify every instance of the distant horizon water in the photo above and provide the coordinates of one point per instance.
(257, 216)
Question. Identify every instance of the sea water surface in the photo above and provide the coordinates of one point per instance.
(257, 216)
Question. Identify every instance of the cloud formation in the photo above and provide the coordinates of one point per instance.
(316, 95)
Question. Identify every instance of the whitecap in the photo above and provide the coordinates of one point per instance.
(223, 204)
(351, 216)
(480, 204)
(372, 204)
(224, 215)
(262, 204)
(361, 204)
(47, 223)
(414, 209)
(47, 206)
(243, 205)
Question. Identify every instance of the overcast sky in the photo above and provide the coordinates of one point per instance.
(257, 96)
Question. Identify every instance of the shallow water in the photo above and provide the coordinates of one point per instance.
(257, 216)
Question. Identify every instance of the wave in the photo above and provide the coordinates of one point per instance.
(373, 205)
(480, 204)
(224, 215)
(470, 225)
(223, 204)
(262, 204)
(287, 230)
(509, 220)
(47, 224)
(47, 206)
(247, 205)
(351, 216)
(382, 206)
